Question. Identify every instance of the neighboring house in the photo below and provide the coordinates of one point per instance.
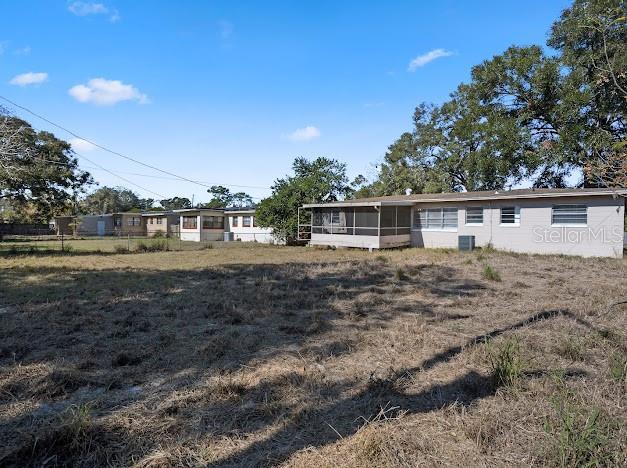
(200, 224)
(586, 222)
(128, 224)
(94, 225)
(242, 223)
(165, 223)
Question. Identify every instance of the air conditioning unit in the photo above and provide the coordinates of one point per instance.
(466, 242)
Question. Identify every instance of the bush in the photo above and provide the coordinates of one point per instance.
(207, 246)
(491, 274)
(506, 363)
(121, 249)
(159, 245)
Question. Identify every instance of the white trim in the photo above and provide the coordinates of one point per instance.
(473, 224)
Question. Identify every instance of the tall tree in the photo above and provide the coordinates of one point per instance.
(222, 197)
(37, 169)
(591, 37)
(111, 200)
(176, 203)
(320, 180)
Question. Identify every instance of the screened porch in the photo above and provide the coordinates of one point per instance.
(372, 226)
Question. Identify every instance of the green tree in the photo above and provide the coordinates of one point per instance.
(111, 200)
(176, 203)
(222, 197)
(38, 173)
(320, 180)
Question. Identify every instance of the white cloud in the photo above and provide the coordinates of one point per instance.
(106, 92)
(424, 59)
(29, 78)
(81, 145)
(22, 51)
(304, 134)
(91, 8)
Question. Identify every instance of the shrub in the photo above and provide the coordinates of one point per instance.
(121, 249)
(506, 363)
(158, 234)
(207, 246)
(491, 274)
(159, 245)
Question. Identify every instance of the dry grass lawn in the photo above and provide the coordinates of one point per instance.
(254, 355)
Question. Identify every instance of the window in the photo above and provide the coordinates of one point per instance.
(213, 222)
(150, 220)
(245, 221)
(134, 221)
(395, 220)
(436, 218)
(190, 222)
(510, 215)
(235, 220)
(474, 215)
(159, 220)
(117, 222)
(569, 214)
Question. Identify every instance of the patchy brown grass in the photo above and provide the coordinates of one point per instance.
(253, 355)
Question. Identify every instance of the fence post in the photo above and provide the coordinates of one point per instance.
(128, 242)
(62, 246)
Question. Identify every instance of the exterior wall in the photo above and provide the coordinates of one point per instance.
(362, 242)
(125, 229)
(169, 225)
(602, 237)
(199, 234)
(247, 234)
(88, 225)
(341, 240)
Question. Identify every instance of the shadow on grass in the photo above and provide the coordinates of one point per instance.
(104, 333)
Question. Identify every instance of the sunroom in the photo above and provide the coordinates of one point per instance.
(369, 225)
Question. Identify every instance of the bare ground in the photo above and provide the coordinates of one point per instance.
(258, 355)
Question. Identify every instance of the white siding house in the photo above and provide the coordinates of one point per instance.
(203, 225)
(243, 225)
(585, 222)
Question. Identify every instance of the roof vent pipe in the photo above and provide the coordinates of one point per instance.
(407, 191)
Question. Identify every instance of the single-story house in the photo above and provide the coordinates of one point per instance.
(201, 224)
(589, 222)
(128, 224)
(242, 223)
(211, 224)
(164, 223)
(94, 225)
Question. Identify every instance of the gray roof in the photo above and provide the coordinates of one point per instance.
(469, 196)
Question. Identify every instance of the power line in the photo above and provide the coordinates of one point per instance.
(114, 173)
(104, 148)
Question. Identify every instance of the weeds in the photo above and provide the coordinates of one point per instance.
(572, 349)
(491, 274)
(159, 245)
(618, 367)
(399, 274)
(581, 435)
(506, 363)
(76, 423)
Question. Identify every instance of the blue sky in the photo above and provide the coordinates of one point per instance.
(230, 92)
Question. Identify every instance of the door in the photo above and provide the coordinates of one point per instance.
(101, 228)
